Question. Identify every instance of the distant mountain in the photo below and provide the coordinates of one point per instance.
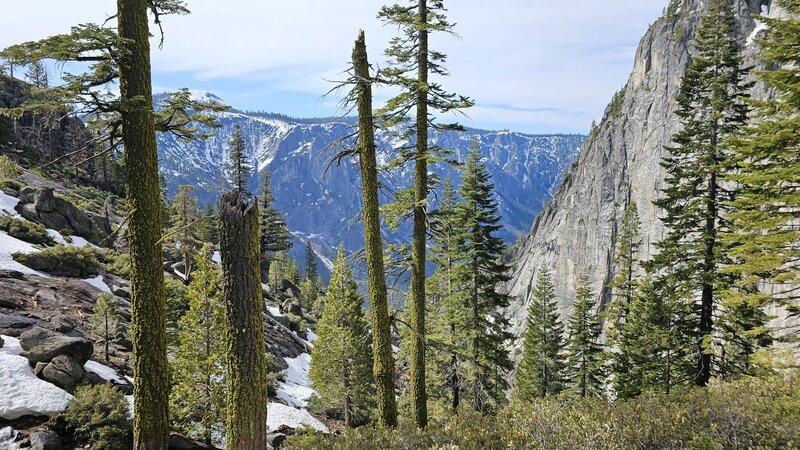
(324, 205)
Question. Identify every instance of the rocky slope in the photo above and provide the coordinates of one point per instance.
(619, 163)
(324, 206)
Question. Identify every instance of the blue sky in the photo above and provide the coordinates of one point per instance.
(531, 65)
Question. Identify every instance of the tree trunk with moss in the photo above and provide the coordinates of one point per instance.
(419, 406)
(246, 350)
(383, 367)
(148, 325)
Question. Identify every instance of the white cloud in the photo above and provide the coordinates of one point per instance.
(529, 54)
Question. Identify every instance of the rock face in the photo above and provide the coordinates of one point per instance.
(618, 164)
(45, 440)
(40, 205)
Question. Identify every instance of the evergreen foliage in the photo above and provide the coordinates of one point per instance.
(584, 353)
(482, 275)
(311, 263)
(766, 210)
(624, 286)
(185, 230)
(274, 234)
(540, 372)
(711, 108)
(341, 364)
(197, 401)
(106, 320)
(411, 62)
(240, 165)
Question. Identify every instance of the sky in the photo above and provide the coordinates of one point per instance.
(532, 66)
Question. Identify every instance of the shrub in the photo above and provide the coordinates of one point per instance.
(25, 230)
(749, 413)
(275, 373)
(8, 169)
(64, 260)
(97, 415)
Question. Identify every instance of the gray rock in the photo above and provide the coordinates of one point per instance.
(47, 297)
(39, 368)
(15, 321)
(64, 372)
(44, 201)
(91, 379)
(41, 345)
(276, 439)
(62, 323)
(2, 342)
(45, 440)
(295, 309)
(57, 213)
(178, 441)
(617, 165)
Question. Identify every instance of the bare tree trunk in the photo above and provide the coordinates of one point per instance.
(244, 336)
(383, 358)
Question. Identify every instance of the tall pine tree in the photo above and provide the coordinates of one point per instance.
(584, 353)
(240, 166)
(483, 275)
(765, 214)
(184, 232)
(411, 62)
(341, 363)
(274, 234)
(540, 372)
(711, 108)
(624, 286)
(311, 263)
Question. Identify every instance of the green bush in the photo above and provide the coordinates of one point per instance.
(25, 230)
(275, 373)
(64, 260)
(750, 413)
(98, 416)
(8, 169)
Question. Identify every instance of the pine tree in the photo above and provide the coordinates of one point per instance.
(447, 309)
(197, 401)
(584, 353)
(311, 263)
(659, 350)
(767, 208)
(341, 363)
(410, 64)
(711, 108)
(106, 320)
(274, 234)
(184, 232)
(210, 224)
(240, 163)
(483, 276)
(37, 74)
(624, 286)
(540, 372)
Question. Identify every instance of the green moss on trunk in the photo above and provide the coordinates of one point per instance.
(148, 326)
(381, 327)
(244, 338)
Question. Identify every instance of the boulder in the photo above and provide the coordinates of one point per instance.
(64, 372)
(41, 205)
(90, 379)
(276, 439)
(47, 297)
(15, 321)
(45, 440)
(62, 323)
(41, 345)
(295, 309)
(178, 441)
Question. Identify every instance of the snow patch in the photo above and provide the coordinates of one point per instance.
(7, 205)
(274, 310)
(298, 369)
(279, 414)
(105, 372)
(9, 245)
(98, 283)
(22, 394)
(216, 257)
(7, 437)
(294, 394)
(11, 346)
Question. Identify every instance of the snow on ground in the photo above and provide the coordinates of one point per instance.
(279, 414)
(298, 369)
(7, 205)
(105, 372)
(76, 241)
(9, 245)
(311, 336)
(98, 283)
(760, 26)
(21, 393)
(129, 398)
(7, 437)
(216, 257)
(274, 311)
(296, 389)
